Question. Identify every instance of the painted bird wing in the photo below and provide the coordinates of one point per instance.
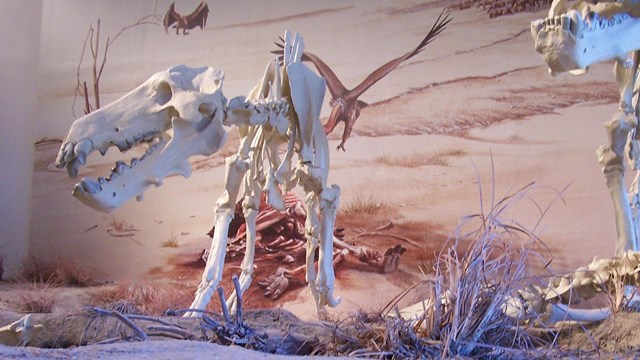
(198, 17)
(336, 89)
(170, 17)
(382, 71)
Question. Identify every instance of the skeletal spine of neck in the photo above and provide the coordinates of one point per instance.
(345, 104)
(283, 109)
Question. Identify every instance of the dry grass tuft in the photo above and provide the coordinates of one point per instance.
(463, 316)
(475, 285)
(171, 242)
(438, 158)
(131, 298)
(39, 300)
(515, 138)
(55, 273)
(121, 226)
(364, 204)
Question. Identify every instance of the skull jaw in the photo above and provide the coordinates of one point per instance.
(170, 157)
(187, 100)
(560, 52)
(123, 184)
(572, 43)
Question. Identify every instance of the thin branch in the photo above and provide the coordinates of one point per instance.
(93, 37)
(78, 84)
(136, 329)
(223, 305)
(96, 79)
(87, 106)
(236, 284)
(185, 334)
(93, 50)
(375, 233)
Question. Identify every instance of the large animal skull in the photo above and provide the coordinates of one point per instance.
(571, 39)
(178, 112)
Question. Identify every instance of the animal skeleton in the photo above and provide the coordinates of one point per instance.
(571, 39)
(280, 239)
(345, 104)
(282, 109)
(548, 304)
(197, 18)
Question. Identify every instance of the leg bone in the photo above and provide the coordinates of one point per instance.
(236, 167)
(329, 202)
(250, 206)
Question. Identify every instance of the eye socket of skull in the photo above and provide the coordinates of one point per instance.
(206, 110)
(163, 93)
(207, 117)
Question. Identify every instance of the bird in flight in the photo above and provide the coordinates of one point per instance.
(187, 22)
(344, 102)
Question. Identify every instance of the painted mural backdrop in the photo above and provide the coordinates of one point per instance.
(450, 128)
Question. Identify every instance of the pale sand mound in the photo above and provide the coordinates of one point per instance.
(616, 337)
(281, 330)
(157, 350)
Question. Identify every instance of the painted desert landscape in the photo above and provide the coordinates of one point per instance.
(467, 122)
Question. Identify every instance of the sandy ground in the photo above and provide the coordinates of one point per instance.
(168, 349)
(479, 90)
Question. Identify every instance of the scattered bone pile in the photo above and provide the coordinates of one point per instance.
(619, 276)
(280, 235)
(281, 239)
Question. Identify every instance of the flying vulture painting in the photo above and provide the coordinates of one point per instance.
(345, 104)
(197, 18)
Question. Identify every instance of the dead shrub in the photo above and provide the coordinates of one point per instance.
(38, 300)
(152, 299)
(121, 228)
(364, 204)
(438, 158)
(463, 317)
(171, 242)
(515, 138)
(55, 273)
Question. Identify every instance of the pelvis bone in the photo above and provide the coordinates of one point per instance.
(178, 112)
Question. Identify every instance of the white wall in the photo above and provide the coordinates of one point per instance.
(20, 43)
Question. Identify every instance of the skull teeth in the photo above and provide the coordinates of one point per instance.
(92, 186)
(578, 22)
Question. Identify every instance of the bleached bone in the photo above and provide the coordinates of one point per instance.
(188, 101)
(552, 303)
(619, 276)
(19, 333)
(281, 109)
(573, 38)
